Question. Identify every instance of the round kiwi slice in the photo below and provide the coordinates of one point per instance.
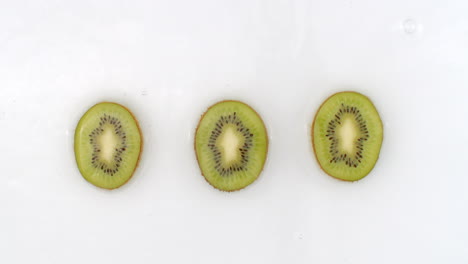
(107, 145)
(231, 145)
(347, 135)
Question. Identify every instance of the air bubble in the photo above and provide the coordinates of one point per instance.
(410, 26)
(298, 236)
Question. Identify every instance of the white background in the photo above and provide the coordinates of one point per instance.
(168, 61)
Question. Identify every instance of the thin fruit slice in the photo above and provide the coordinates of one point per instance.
(347, 135)
(231, 145)
(107, 145)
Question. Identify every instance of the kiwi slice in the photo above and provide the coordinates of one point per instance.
(231, 145)
(108, 144)
(347, 135)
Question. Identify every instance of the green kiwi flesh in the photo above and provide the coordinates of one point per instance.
(231, 145)
(347, 135)
(107, 145)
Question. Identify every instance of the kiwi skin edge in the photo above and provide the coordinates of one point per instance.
(195, 142)
(312, 134)
(141, 143)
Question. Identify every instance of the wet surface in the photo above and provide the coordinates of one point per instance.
(168, 61)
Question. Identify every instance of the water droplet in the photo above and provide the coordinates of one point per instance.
(179, 92)
(148, 212)
(13, 184)
(410, 26)
(298, 235)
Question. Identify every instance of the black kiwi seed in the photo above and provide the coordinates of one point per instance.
(98, 131)
(334, 140)
(225, 120)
